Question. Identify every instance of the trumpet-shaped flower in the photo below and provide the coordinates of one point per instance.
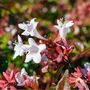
(30, 29)
(33, 51)
(18, 48)
(63, 28)
(22, 78)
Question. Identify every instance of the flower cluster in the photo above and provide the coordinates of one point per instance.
(81, 77)
(51, 54)
(11, 80)
(32, 50)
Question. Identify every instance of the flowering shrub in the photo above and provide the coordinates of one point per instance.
(52, 54)
(53, 57)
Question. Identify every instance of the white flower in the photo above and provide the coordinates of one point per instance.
(22, 77)
(18, 48)
(23, 72)
(63, 28)
(30, 29)
(33, 51)
(19, 77)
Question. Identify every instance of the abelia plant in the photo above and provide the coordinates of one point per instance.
(53, 55)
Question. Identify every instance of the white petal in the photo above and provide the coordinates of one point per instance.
(18, 52)
(42, 47)
(15, 55)
(69, 24)
(23, 26)
(37, 58)
(26, 47)
(19, 39)
(28, 57)
(59, 26)
(59, 23)
(66, 30)
(23, 71)
(31, 41)
(35, 25)
(63, 34)
(16, 49)
(36, 34)
(32, 20)
(32, 25)
(19, 79)
(26, 33)
(21, 52)
(32, 33)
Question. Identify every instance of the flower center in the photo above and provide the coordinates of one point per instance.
(33, 49)
(30, 27)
